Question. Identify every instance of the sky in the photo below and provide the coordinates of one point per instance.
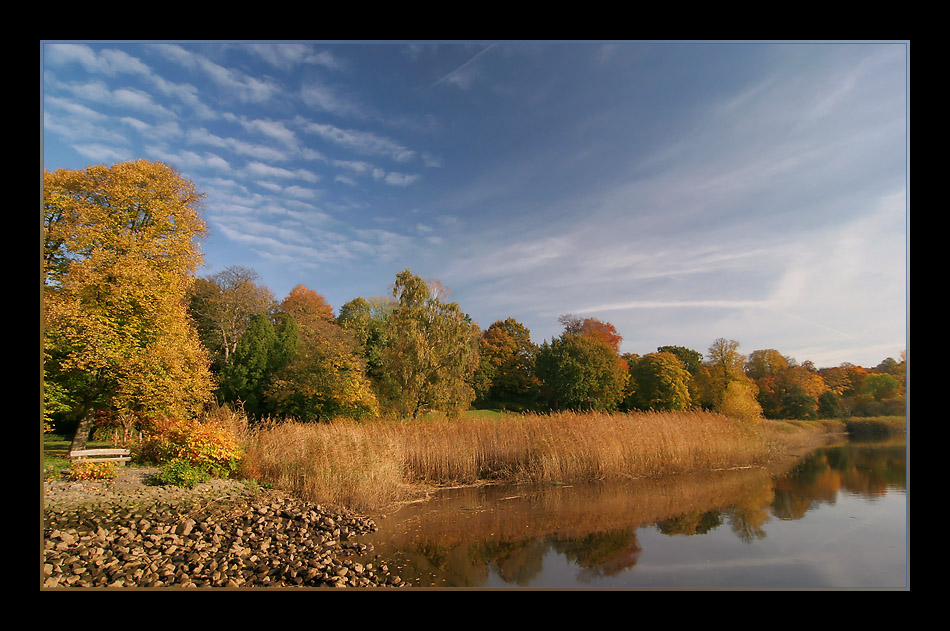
(682, 191)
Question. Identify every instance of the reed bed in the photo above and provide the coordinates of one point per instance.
(367, 465)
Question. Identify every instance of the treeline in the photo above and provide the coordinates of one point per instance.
(412, 351)
(130, 332)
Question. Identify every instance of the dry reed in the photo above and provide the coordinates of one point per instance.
(366, 465)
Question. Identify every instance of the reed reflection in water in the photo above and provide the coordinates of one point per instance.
(836, 520)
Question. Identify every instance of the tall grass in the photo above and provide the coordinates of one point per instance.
(367, 465)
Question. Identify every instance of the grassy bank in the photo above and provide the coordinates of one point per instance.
(368, 465)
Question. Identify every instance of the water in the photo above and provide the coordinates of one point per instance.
(836, 520)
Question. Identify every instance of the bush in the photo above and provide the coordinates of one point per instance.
(179, 472)
(207, 446)
(82, 470)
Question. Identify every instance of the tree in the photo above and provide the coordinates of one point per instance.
(691, 359)
(431, 352)
(368, 322)
(879, 386)
(326, 378)
(722, 368)
(662, 383)
(506, 370)
(326, 375)
(309, 309)
(223, 306)
(792, 392)
(580, 372)
(261, 352)
(739, 401)
(120, 250)
(765, 362)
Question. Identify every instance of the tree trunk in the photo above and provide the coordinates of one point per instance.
(81, 437)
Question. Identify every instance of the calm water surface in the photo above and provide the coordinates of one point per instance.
(837, 520)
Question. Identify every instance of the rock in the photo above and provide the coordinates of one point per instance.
(222, 535)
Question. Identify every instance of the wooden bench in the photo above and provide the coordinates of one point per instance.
(118, 456)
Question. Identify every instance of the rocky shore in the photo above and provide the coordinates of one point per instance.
(125, 533)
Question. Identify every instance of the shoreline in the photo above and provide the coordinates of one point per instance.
(221, 534)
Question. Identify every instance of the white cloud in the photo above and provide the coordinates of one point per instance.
(288, 55)
(360, 141)
(259, 169)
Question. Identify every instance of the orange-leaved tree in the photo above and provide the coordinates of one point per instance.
(120, 250)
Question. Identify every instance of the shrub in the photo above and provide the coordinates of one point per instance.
(207, 446)
(82, 470)
(179, 472)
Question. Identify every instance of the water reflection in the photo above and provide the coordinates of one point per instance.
(513, 535)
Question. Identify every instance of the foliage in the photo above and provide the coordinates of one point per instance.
(207, 445)
(431, 352)
(661, 383)
(723, 366)
(223, 306)
(308, 308)
(580, 372)
(507, 360)
(592, 327)
(829, 405)
(791, 393)
(322, 374)
(180, 472)
(89, 470)
(765, 362)
(120, 248)
(368, 322)
(262, 351)
(739, 401)
(879, 386)
(325, 379)
(691, 359)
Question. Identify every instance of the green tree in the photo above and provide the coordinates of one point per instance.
(431, 352)
(506, 371)
(829, 405)
(662, 383)
(691, 359)
(879, 386)
(368, 321)
(579, 372)
(120, 250)
(262, 351)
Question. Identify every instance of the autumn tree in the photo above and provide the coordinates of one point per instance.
(326, 376)
(120, 247)
(506, 372)
(765, 362)
(594, 328)
(662, 383)
(723, 367)
(431, 351)
(692, 360)
(223, 305)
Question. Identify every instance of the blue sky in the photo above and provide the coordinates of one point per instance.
(681, 191)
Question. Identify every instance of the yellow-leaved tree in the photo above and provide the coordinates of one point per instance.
(120, 252)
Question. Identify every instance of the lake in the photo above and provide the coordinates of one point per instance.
(837, 519)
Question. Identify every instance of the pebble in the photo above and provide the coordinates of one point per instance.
(219, 534)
